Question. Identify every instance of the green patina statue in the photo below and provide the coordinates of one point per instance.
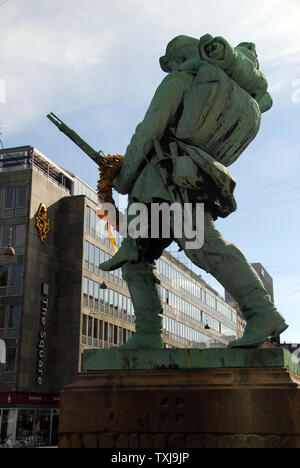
(202, 117)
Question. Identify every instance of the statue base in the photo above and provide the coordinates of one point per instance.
(183, 399)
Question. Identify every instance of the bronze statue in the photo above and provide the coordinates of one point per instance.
(207, 110)
(202, 117)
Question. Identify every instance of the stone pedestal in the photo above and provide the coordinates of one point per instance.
(194, 399)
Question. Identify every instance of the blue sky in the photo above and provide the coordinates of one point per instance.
(95, 64)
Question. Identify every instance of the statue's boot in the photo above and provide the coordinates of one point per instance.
(229, 266)
(143, 285)
(128, 252)
(262, 323)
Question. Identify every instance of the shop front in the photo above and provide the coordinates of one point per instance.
(28, 419)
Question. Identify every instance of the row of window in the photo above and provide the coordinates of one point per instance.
(185, 334)
(187, 311)
(13, 201)
(13, 235)
(11, 279)
(107, 300)
(93, 256)
(190, 289)
(97, 332)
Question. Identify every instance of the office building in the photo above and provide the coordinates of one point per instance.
(55, 302)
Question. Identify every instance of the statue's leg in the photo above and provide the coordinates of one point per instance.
(143, 285)
(230, 267)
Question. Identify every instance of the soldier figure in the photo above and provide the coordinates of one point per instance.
(203, 115)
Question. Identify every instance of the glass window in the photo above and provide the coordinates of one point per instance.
(125, 304)
(25, 422)
(9, 196)
(92, 257)
(116, 296)
(97, 260)
(96, 328)
(6, 234)
(110, 335)
(90, 326)
(86, 254)
(20, 235)
(101, 330)
(16, 277)
(91, 293)
(13, 317)
(93, 223)
(96, 296)
(21, 200)
(88, 219)
(98, 228)
(2, 316)
(10, 359)
(3, 275)
(42, 424)
(85, 290)
(84, 325)
(111, 300)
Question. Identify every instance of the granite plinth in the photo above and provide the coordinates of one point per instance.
(121, 359)
(256, 404)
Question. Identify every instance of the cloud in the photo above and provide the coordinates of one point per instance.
(71, 55)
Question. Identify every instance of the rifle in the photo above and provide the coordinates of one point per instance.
(109, 167)
(98, 157)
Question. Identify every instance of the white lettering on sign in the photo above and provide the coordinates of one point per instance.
(42, 340)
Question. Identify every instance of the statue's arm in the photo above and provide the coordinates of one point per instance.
(163, 107)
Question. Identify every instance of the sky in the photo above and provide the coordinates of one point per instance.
(94, 63)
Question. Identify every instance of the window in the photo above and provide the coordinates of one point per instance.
(21, 201)
(14, 235)
(86, 254)
(3, 280)
(93, 223)
(6, 236)
(85, 291)
(2, 316)
(84, 324)
(91, 293)
(16, 279)
(97, 261)
(98, 228)
(19, 240)
(96, 296)
(10, 359)
(90, 326)
(9, 199)
(14, 201)
(13, 321)
(92, 257)
(88, 219)
(96, 328)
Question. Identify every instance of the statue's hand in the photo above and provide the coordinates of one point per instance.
(121, 186)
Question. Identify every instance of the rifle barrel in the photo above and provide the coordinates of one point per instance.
(97, 157)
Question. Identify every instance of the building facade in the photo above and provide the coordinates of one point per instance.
(55, 302)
